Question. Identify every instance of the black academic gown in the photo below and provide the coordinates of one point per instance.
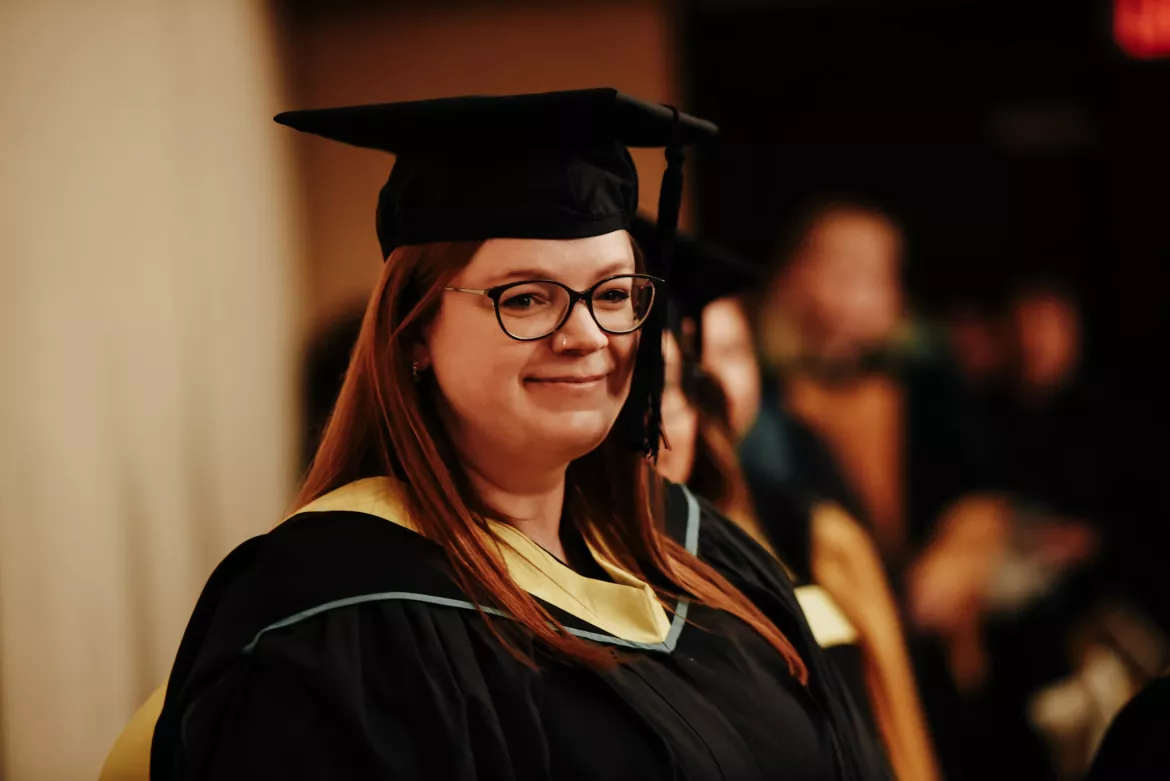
(1137, 745)
(337, 646)
(785, 513)
(947, 456)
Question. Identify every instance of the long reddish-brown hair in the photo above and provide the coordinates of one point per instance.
(387, 423)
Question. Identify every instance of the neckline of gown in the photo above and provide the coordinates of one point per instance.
(625, 607)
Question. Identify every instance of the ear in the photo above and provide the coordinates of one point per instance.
(420, 355)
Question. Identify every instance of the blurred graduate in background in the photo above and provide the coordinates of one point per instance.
(710, 398)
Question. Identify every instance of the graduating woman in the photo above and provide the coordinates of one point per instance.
(483, 577)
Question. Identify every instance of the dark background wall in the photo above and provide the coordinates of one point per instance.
(1007, 135)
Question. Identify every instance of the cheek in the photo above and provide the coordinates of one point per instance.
(744, 388)
(831, 294)
(473, 360)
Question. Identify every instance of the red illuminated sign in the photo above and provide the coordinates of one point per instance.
(1142, 27)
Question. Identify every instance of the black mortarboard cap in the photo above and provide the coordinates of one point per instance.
(544, 166)
(550, 165)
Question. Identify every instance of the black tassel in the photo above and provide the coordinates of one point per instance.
(643, 413)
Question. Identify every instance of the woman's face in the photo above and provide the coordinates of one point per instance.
(544, 402)
(844, 284)
(729, 356)
(680, 420)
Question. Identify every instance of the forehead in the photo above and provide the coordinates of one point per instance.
(725, 320)
(576, 262)
(1045, 305)
(851, 234)
(725, 314)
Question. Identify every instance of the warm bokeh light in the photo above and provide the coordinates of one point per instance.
(1142, 27)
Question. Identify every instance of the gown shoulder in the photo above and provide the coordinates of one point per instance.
(328, 649)
(268, 665)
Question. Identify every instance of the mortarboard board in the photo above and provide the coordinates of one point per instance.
(545, 166)
(550, 165)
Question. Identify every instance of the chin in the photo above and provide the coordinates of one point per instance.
(673, 467)
(575, 433)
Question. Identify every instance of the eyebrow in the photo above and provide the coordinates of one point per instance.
(623, 266)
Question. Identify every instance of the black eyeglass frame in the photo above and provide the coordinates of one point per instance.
(497, 291)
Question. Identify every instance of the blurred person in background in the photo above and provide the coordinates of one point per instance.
(609, 625)
(1060, 462)
(843, 358)
(1049, 418)
(866, 405)
(1089, 635)
(980, 341)
(1040, 592)
(1056, 437)
(710, 398)
(824, 544)
(976, 339)
(701, 455)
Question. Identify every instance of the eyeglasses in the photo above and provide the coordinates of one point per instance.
(534, 308)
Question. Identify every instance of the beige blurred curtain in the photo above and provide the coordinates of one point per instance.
(148, 313)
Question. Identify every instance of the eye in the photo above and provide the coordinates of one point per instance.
(518, 301)
(531, 299)
(525, 297)
(616, 292)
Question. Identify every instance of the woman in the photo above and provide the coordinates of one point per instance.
(828, 547)
(895, 438)
(862, 402)
(850, 607)
(483, 580)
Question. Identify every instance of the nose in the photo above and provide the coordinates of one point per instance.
(580, 333)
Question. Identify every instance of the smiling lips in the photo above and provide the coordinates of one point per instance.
(585, 379)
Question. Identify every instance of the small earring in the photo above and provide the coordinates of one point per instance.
(414, 370)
